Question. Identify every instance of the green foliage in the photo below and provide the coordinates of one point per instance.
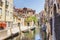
(34, 19)
(31, 18)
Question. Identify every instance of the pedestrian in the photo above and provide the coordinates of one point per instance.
(44, 31)
(44, 27)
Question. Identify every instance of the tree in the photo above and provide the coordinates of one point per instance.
(31, 18)
(34, 18)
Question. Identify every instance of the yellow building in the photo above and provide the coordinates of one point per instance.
(6, 12)
(6, 16)
(16, 22)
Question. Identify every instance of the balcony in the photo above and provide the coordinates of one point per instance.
(1, 3)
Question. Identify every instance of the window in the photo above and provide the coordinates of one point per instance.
(28, 24)
(11, 15)
(7, 13)
(7, 3)
(8, 24)
(51, 13)
(45, 9)
(19, 24)
(0, 10)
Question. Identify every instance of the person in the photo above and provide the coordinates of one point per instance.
(44, 27)
(44, 31)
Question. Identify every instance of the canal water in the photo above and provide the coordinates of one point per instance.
(34, 35)
(38, 34)
(38, 37)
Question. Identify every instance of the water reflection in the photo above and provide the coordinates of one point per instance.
(33, 35)
(38, 37)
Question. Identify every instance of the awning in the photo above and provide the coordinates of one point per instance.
(3, 24)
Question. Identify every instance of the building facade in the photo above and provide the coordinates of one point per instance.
(43, 21)
(19, 17)
(6, 17)
(52, 10)
(24, 13)
(6, 12)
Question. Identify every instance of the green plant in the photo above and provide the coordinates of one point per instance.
(31, 18)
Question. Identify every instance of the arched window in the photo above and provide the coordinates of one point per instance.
(55, 11)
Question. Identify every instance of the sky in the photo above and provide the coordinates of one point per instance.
(37, 5)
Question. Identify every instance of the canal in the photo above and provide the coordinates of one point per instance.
(33, 34)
